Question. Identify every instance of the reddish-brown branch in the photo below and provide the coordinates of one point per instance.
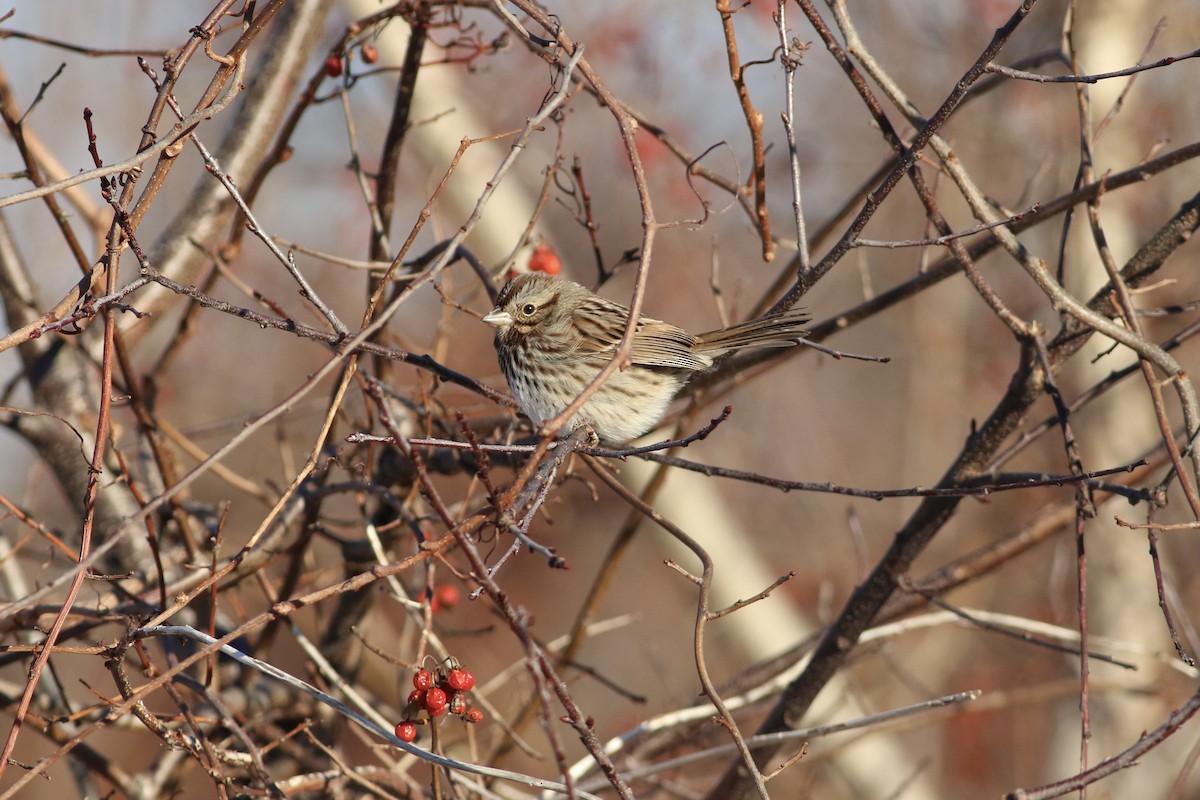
(754, 122)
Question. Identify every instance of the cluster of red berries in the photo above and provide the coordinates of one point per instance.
(334, 65)
(544, 259)
(445, 597)
(435, 694)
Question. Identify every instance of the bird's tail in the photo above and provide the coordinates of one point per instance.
(777, 330)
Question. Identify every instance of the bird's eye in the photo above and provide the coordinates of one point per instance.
(528, 309)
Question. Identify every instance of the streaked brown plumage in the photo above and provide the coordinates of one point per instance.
(553, 336)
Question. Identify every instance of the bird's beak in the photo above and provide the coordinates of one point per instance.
(498, 317)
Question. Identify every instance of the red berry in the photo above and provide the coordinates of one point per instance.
(435, 701)
(544, 259)
(460, 680)
(417, 698)
(474, 715)
(422, 679)
(406, 731)
(369, 54)
(458, 705)
(445, 596)
(333, 66)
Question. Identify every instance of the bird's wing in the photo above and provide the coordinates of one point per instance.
(661, 344)
(655, 344)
